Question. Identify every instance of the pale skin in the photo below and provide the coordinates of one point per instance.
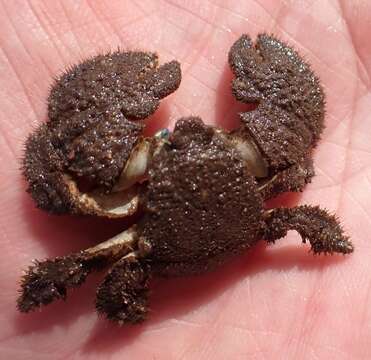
(276, 302)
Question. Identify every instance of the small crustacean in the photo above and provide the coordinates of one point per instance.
(199, 190)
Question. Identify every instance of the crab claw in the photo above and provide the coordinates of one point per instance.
(87, 158)
(289, 116)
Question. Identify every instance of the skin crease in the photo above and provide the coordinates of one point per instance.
(275, 302)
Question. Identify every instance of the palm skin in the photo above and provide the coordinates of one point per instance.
(276, 302)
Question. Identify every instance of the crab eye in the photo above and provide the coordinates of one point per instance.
(163, 134)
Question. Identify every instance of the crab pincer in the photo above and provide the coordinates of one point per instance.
(85, 158)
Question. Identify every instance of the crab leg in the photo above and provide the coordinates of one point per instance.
(48, 280)
(316, 225)
(123, 295)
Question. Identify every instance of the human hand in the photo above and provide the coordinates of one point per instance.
(274, 302)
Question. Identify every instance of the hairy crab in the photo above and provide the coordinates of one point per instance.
(199, 190)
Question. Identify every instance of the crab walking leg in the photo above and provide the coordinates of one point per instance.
(316, 225)
(123, 295)
(48, 280)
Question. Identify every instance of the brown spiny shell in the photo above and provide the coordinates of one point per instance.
(195, 184)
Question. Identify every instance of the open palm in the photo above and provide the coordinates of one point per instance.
(276, 302)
